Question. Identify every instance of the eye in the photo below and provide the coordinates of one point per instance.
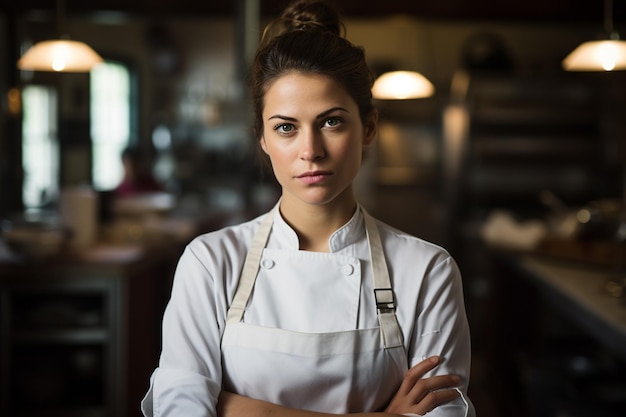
(333, 121)
(284, 128)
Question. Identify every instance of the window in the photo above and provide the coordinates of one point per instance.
(110, 108)
(40, 146)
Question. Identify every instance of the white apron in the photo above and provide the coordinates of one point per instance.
(336, 372)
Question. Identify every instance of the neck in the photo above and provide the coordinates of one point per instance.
(314, 224)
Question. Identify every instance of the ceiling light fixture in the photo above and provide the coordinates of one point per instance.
(402, 85)
(60, 55)
(601, 55)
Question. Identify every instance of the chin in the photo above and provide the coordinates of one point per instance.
(319, 197)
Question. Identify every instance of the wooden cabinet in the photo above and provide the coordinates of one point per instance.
(80, 337)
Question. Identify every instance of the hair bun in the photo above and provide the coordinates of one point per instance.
(312, 14)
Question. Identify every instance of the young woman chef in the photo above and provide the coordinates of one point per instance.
(315, 308)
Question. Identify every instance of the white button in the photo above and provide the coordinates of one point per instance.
(347, 269)
(267, 263)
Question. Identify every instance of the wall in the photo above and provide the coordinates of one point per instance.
(435, 48)
(202, 91)
(202, 72)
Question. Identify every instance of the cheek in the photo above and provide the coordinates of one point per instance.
(350, 151)
(280, 160)
(276, 156)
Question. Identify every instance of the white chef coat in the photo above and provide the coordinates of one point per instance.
(425, 280)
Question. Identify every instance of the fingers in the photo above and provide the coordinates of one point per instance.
(417, 372)
(424, 366)
(434, 399)
(428, 393)
(434, 383)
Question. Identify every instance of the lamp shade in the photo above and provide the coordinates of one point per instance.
(603, 55)
(60, 55)
(402, 85)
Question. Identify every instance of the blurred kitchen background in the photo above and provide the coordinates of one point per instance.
(514, 164)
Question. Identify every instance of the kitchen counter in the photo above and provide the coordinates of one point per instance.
(580, 292)
(555, 334)
(80, 331)
(80, 327)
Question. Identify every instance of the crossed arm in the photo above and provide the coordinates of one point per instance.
(416, 395)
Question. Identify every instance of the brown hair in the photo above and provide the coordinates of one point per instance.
(309, 37)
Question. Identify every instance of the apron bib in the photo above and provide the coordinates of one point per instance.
(334, 372)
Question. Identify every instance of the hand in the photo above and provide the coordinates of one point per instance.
(419, 395)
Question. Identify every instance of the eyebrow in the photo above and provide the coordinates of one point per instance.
(319, 116)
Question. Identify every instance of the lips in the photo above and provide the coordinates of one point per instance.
(314, 177)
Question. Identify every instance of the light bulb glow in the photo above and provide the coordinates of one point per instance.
(607, 55)
(59, 55)
(402, 85)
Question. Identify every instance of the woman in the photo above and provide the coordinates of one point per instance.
(137, 178)
(332, 312)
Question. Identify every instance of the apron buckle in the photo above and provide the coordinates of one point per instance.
(385, 299)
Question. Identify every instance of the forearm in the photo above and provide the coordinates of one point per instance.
(233, 405)
(416, 396)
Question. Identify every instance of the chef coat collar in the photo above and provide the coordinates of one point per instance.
(346, 235)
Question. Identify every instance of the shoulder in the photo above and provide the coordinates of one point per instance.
(228, 243)
(228, 237)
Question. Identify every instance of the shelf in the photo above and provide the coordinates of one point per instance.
(57, 376)
(61, 412)
(80, 337)
(77, 336)
(541, 146)
(525, 135)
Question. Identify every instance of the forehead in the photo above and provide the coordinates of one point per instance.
(305, 92)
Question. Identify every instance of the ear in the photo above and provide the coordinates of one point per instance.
(263, 144)
(371, 128)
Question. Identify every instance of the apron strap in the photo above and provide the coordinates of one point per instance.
(250, 269)
(383, 292)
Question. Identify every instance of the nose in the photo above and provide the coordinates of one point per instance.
(311, 146)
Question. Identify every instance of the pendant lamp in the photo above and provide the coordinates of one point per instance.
(402, 85)
(600, 55)
(60, 55)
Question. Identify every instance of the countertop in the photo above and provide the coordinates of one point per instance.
(581, 292)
